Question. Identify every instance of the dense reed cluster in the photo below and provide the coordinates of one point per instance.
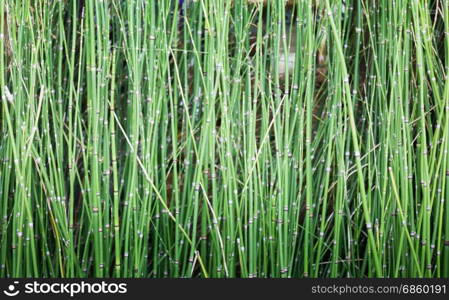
(218, 138)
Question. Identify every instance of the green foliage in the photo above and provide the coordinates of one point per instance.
(140, 138)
